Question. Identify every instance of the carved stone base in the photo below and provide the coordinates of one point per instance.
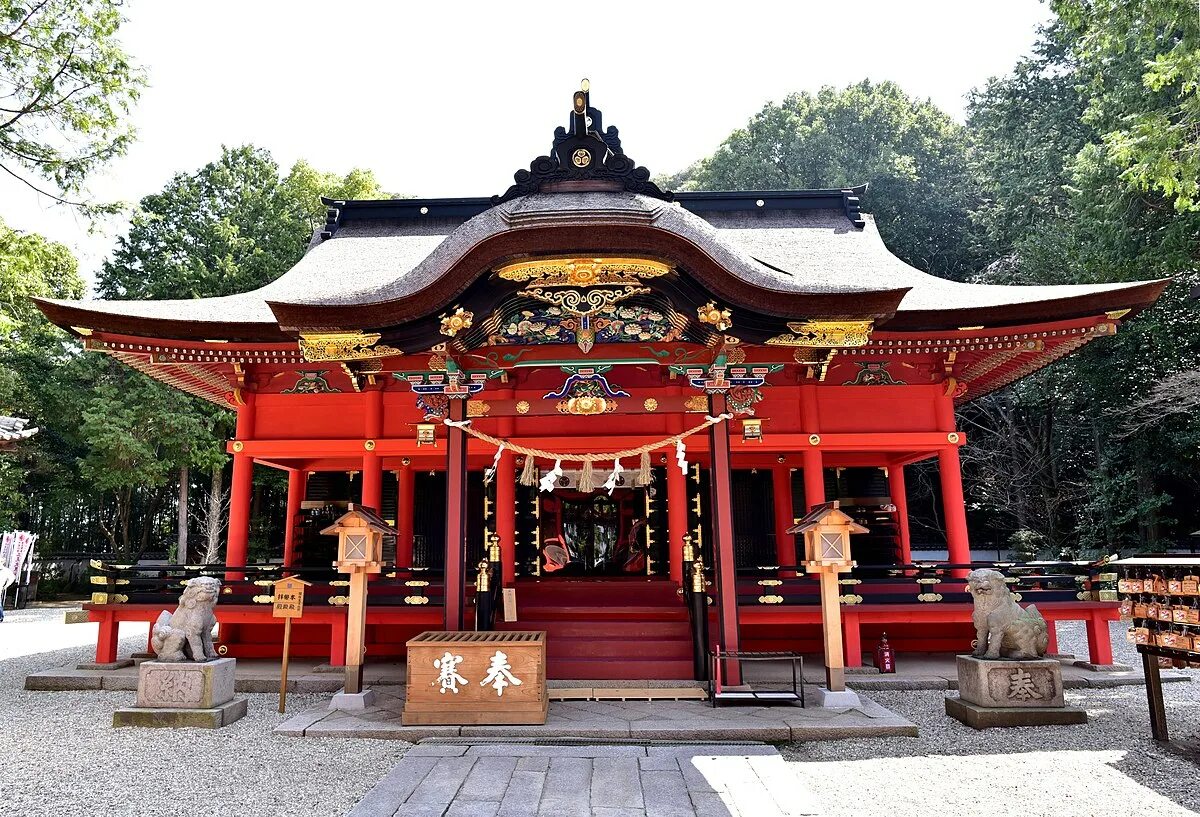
(986, 717)
(845, 699)
(353, 700)
(185, 685)
(212, 718)
(1004, 683)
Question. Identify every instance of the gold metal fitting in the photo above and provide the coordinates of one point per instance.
(369, 445)
(698, 575)
(238, 445)
(953, 437)
(482, 576)
(814, 439)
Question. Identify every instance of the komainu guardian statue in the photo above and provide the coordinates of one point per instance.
(186, 634)
(1002, 628)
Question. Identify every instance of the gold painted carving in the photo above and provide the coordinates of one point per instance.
(719, 319)
(478, 408)
(825, 334)
(327, 346)
(697, 402)
(582, 304)
(457, 321)
(583, 272)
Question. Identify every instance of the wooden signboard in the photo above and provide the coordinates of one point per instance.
(467, 678)
(287, 603)
(509, 597)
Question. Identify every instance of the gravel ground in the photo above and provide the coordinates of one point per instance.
(61, 755)
(1109, 765)
(63, 758)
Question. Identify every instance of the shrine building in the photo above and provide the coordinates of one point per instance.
(476, 368)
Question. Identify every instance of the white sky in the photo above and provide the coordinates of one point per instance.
(450, 98)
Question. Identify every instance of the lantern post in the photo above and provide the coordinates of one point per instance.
(360, 533)
(827, 533)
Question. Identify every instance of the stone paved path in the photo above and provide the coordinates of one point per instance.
(600, 721)
(510, 780)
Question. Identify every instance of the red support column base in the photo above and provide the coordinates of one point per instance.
(1099, 639)
(106, 641)
(852, 638)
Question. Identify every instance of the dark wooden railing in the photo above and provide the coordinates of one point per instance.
(252, 584)
(928, 583)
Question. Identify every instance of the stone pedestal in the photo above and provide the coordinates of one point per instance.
(845, 699)
(184, 694)
(1004, 692)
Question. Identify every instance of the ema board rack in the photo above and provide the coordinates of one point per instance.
(1160, 598)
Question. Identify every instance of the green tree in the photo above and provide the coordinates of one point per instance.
(30, 348)
(66, 87)
(1061, 207)
(914, 156)
(229, 227)
(1140, 66)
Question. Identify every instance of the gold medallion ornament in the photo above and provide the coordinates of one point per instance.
(523, 407)
(650, 404)
(581, 158)
(457, 321)
(826, 334)
(316, 347)
(583, 272)
(719, 319)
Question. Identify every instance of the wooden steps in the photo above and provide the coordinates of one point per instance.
(598, 629)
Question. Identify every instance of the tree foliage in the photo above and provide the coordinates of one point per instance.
(66, 88)
(229, 227)
(913, 156)
(106, 468)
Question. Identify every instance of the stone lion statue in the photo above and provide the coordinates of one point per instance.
(1002, 628)
(186, 634)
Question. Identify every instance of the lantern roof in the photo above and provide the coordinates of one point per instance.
(826, 515)
(359, 516)
(13, 430)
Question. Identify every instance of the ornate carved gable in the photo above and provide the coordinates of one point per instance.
(583, 152)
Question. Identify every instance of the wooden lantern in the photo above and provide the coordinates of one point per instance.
(827, 532)
(360, 533)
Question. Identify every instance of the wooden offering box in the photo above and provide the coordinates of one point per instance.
(467, 678)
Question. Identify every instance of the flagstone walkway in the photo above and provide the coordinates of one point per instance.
(514, 780)
(604, 720)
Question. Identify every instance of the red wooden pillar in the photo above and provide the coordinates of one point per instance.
(781, 487)
(506, 495)
(677, 514)
(372, 467)
(1099, 638)
(899, 494)
(506, 515)
(295, 495)
(241, 487)
(950, 471)
(813, 461)
(722, 531)
(814, 478)
(404, 516)
(456, 515)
